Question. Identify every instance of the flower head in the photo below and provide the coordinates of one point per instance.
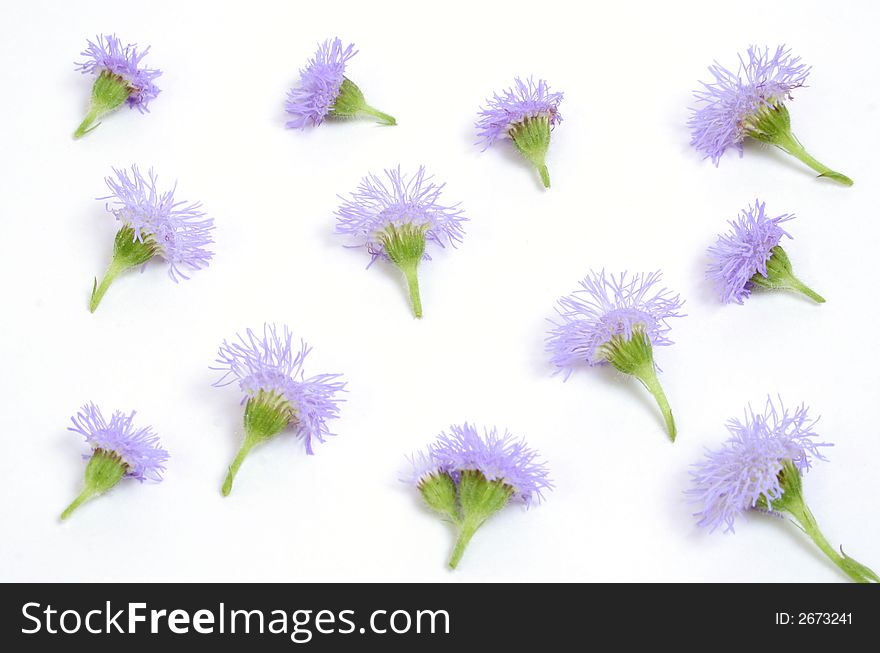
(727, 107)
(743, 252)
(527, 99)
(396, 219)
(179, 232)
(320, 83)
(497, 456)
(745, 473)
(272, 364)
(399, 200)
(138, 448)
(107, 54)
(606, 306)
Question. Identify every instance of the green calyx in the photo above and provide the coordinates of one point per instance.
(467, 505)
(129, 251)
(104, 470)
(772, 124)
(780, 276)
(350, 103)
(108, 93)
(532, 138)
(266, 414)
(635, 356)
(792, 502)
(405, 246)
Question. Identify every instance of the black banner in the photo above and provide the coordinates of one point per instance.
(410, 617)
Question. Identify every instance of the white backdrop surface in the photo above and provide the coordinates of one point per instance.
(628, 193)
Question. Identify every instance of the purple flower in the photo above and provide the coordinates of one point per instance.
(728, 107)
(107, 54)
(745, 473)
(271, 364)
(396, 219)
(616, 320)
(525, 100)
(527, 113)
(324, 90)
(743, 252)
(403, 200)
(496, 456)
(604, 307)
(179, 231)
(138, 448)
(319, 85)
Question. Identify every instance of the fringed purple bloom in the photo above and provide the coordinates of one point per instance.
(153, 224)
(325, 91)
(497, 456)
(606, 306)
(320, 82)
(744, 251)
(527, 99)
(108, 54)
(527, 113)
(467, 478)
(119, 450)
(760, 467)
(395, 218)
(378, 204)
(616, 320)
(745, 473)
(751, 103)
(727, 106)
(277, 394)
(137, 447)
(750, 256)
(273, 364)
(179, 230)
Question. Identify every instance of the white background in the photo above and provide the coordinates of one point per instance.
(628, 193)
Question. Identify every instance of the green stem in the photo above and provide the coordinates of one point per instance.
(788, 142)
(545, 175)
(805, 518)
(412, 280)
(233, 468)
(799, 286)
(88, 123)
(84, 496)
(465, 533)
(98, 291)
(384, 117)
(648, 376)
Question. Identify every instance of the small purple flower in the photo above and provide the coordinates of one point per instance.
(760, 467)
(324, 90)
(273, 364)
(605, 307)
(616, 320)
(153, 224)
(750, 255)
(120, 78)
(751, 103)
(396, 219)
(137, 447)
(499, 457)
(107, 54)
(727, 106)
(467, 478)
(277, 394)
(119, 450)
(402, 200)
(180, 230)
(744, 473)
(527, 113)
